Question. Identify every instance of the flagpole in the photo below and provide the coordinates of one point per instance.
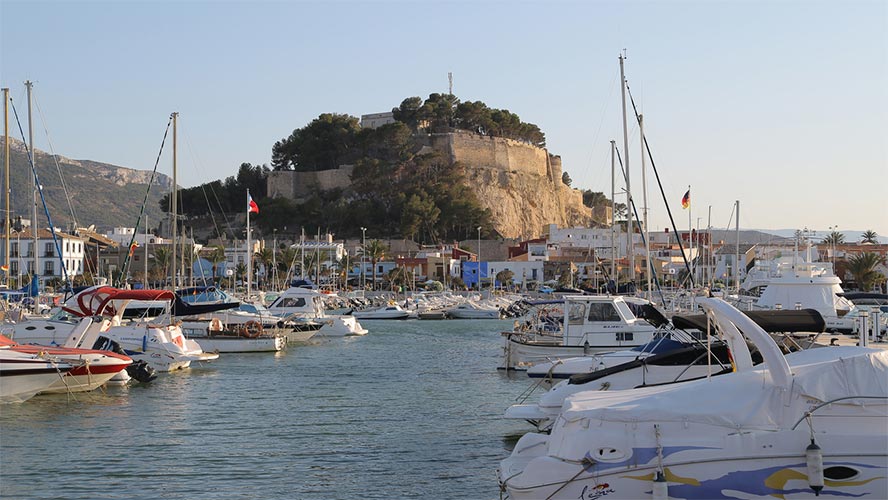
(690, 233)
(249, 252)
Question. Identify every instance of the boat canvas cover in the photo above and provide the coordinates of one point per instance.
(805, 320)
(743, 400)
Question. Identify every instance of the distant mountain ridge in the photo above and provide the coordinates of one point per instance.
(102, 194)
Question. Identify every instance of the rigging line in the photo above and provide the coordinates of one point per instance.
(650, 264)
(55, 239)
(56, 160)
(126, 260)
(647, 147)
(194, 160)
(607, 101)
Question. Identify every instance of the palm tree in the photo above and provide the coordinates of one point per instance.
(161, 259)
(285, 260)
(400, 276)
(266, 258)
(215, 257)
(834, 238)
(374, 251)
(869, 236)
(863, 268)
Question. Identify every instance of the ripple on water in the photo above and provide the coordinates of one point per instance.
(412, 410)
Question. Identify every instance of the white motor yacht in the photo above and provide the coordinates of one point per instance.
(23, 375)
(298, 302)
(473, 310)
(593, 324)
(392, 311)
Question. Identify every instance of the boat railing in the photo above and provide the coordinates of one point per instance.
(811, 411)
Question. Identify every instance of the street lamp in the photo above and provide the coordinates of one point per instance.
(363, 246)
(479, 257)
(832, 245)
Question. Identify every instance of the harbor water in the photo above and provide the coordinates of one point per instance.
(411, 410)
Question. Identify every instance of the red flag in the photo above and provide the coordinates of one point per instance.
(252, 207)
(686, 200)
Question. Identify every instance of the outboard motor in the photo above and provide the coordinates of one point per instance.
(138, 370)
(141, 371)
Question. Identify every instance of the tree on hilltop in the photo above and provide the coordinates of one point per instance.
(324, 144)
(869, 236)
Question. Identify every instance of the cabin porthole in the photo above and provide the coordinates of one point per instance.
(840, 473)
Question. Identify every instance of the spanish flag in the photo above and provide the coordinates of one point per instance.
(686, 200)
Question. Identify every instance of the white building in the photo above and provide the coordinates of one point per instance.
(522, 271)
(374, 120)
(597, 239)
(123, 236)
(51, 264)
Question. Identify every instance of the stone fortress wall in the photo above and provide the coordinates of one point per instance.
(518, 182)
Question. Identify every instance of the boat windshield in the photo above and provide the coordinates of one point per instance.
(625, 311)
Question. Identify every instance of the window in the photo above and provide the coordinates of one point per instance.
(30, 249)
(576, 314)
(67, 246)
(14, 267)
(49, 250)
(291, 302)
(13, 249)
(49, 268)
(624, 336)
(603, 311)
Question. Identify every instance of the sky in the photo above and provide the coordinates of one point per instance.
(782, 105)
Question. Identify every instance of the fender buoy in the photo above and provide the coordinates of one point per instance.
(252, 329)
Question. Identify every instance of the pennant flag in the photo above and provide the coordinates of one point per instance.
(686, 200)
(252, 207)
(4, 268)
(133, 248)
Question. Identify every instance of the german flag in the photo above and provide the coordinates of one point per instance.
(686, 200)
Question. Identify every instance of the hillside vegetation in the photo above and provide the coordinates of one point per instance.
(101, 194)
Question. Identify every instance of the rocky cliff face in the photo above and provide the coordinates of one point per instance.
(519, 183)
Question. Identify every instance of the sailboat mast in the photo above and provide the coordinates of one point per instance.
(644, 212)
(146, 253)
(249, 250)
(613, 214)
(30, 84)
(6, 217)
(737, 255)
(174, 206)
(629, 229)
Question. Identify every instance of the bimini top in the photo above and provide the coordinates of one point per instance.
(100, 300)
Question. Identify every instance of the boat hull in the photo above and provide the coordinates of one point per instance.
(223, 344)
(519, 355)
(746, 476)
